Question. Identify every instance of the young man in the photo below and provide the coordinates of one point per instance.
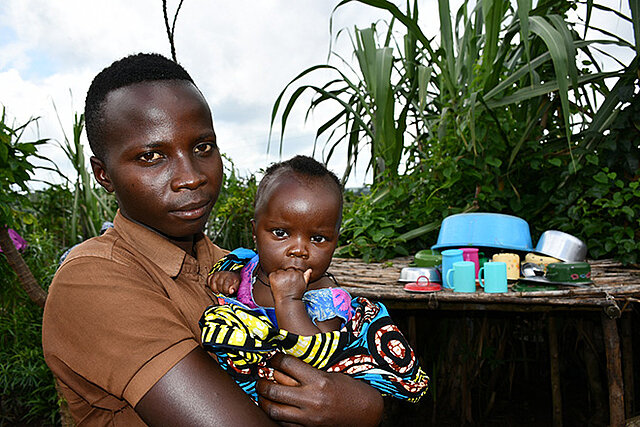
(120, 327)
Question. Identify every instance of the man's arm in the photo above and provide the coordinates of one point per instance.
(197, 392)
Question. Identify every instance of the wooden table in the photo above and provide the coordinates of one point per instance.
(614, 288)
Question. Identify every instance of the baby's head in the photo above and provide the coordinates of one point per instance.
(298, 210)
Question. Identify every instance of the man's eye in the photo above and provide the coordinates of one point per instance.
(151, 156)
(204, 148)
(278, 232)
(318, 239)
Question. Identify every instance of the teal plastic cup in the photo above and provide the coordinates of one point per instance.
(449, 257)
(493, 277)
(463, 276)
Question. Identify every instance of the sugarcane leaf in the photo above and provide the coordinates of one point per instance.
(555, 43)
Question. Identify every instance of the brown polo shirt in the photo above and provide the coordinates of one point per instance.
(122, 310)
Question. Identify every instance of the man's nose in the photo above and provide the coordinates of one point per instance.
(187, 174)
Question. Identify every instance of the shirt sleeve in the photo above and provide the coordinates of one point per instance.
(327, 303)
(113, 325)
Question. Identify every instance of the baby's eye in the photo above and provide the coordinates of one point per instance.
(150, 157)
(279, 232)
(204, 148)
(318, 239)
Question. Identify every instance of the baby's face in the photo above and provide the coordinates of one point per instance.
(298, 225)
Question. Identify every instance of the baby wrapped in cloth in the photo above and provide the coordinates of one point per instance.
(369, 346)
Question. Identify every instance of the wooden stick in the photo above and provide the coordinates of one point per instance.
(554, 362)
(614, 371)
(627, 364)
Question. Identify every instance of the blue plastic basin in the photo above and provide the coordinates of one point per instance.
(484, 229)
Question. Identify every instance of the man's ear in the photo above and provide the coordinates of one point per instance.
(100, 173)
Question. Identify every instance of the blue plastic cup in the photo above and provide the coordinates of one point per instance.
(463, 276)
(495, 277)
(449, 257)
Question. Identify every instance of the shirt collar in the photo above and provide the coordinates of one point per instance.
(153, 245)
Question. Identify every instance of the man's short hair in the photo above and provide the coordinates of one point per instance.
(302, 165)
(141, 67)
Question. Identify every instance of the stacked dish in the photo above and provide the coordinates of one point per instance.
(484, 229)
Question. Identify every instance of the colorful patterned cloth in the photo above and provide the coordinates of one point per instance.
(368, 347)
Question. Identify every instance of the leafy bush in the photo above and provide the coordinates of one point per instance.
(609, 216)
(601, 202)
(399, 216)
(27, 391)
(230, 223)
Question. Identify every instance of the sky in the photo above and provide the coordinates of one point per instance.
(241, 54)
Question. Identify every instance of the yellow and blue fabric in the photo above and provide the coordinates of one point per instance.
(369, 347)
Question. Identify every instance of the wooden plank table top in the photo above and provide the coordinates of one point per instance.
(379, 280)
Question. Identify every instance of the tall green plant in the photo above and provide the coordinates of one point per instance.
(91, 206)
(367, 102)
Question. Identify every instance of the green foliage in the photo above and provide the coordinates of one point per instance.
(27, 391)
(601, 201)
(15, 171)
(611, 222)
(395, 219)
(367, 100)
(229, 225)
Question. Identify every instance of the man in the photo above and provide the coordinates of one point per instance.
(120, 327)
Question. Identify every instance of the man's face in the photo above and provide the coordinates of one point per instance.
(162, 159)
(297, 225)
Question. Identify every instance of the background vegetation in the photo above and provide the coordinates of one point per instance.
(506, 110)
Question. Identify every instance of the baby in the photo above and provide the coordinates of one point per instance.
(283, 298)
(297, 215)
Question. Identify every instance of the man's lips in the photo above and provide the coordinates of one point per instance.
(192, 211)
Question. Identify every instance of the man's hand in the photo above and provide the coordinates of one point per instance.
(321, 398)
(224, 282)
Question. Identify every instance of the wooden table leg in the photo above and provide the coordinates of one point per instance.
(554, 361)
(413, 334)
(614, 371)
(627, 363)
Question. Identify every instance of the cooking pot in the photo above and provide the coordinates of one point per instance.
(562, 246)
(427, 258)
(412, 274)
(484, 229)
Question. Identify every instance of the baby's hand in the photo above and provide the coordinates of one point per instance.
(289, 283)
(224, 282)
